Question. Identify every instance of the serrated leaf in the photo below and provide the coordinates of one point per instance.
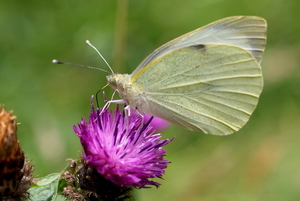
(46, 188)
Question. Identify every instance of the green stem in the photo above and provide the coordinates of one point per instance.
(120, 36)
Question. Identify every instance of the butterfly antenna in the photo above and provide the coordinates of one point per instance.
(88, 42)
(68, 63)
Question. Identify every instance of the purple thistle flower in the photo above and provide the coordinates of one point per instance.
(121, 149)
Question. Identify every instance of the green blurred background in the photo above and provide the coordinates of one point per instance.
(260, 162)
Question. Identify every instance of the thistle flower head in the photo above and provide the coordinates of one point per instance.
(122, 148)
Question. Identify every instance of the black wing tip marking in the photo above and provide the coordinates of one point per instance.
(199, 47)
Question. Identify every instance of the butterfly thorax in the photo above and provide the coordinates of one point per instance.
(131, 94)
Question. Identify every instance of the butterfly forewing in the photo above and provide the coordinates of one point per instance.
(247, 32)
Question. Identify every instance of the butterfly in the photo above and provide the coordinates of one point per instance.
(207, 80)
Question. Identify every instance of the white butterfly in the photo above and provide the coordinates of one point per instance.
(207, 80)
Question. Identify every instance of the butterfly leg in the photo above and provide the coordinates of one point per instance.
(141, 115)
(107, 104)
(127, 111)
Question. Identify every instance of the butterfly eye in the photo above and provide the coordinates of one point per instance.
(112, 81)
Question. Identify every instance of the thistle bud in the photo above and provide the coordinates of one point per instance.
(15, 171)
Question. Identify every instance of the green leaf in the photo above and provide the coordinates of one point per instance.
(46, 188)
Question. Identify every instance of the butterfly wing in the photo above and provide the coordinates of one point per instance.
(208, 80)
(209, 88)
(246, 32)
